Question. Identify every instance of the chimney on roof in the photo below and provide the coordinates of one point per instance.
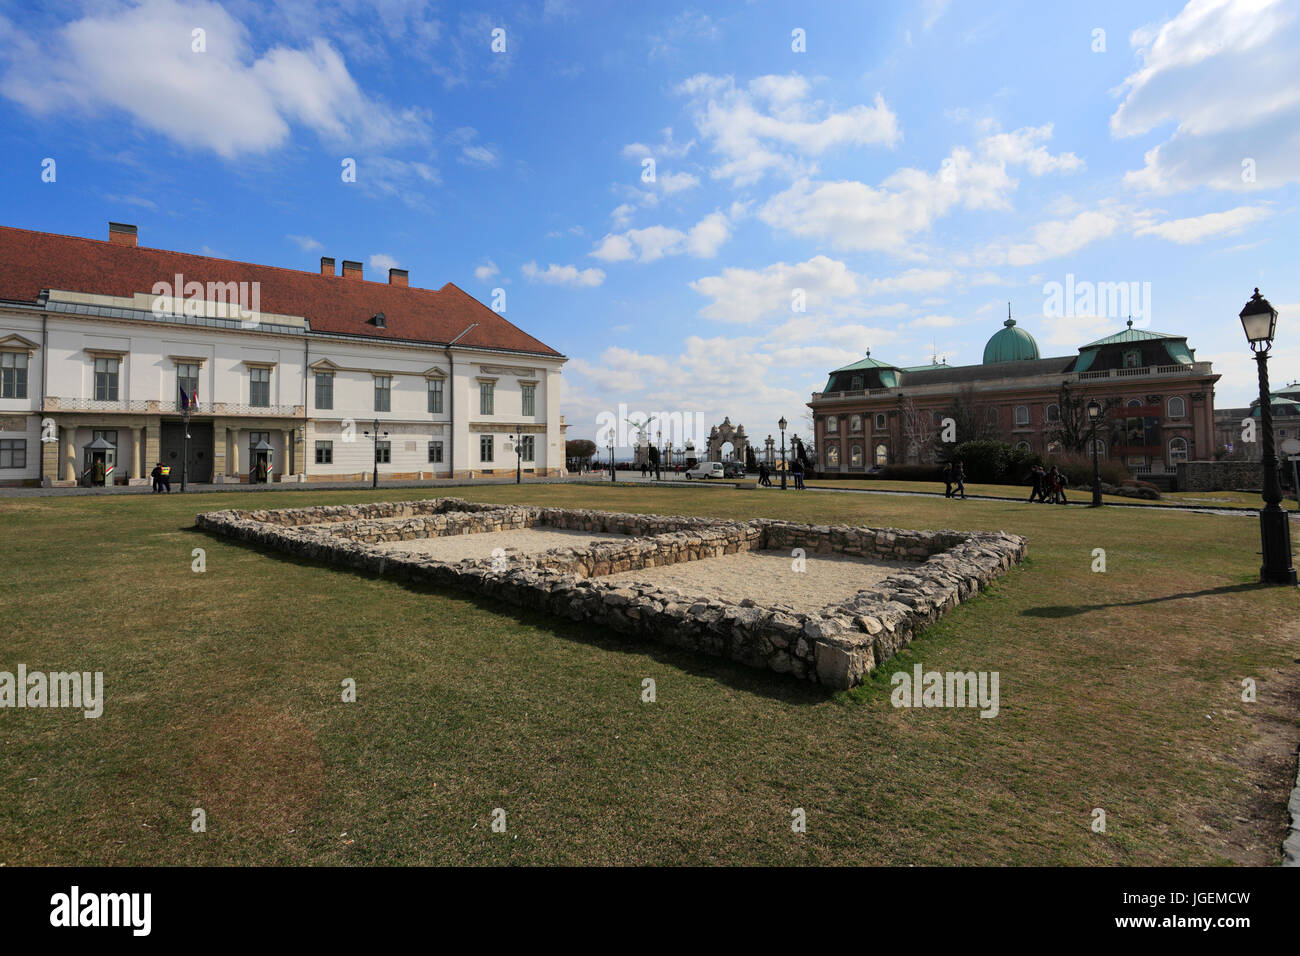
(397, 277)
(121, 234)
(326, 266)
(352, 270)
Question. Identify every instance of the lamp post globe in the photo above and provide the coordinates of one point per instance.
(1259, 321)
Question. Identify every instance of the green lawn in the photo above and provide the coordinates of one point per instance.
(1194, 499)
(1119, 690)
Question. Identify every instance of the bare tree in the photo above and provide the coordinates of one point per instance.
(918, 433)
(1073, 428)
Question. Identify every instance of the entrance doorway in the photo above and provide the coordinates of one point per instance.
(198, 469)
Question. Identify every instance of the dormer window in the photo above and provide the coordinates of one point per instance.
(380, 321)
(1133, 358)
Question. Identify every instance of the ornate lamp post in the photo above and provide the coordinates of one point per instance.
(1259, 319)
(1094, 416)
(784, 464)
(519, 461)
(659, 455)
(375, 436)
(612, 477)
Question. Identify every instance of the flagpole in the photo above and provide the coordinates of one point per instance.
(185, 444)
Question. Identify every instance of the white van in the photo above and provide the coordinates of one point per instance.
(705, 469)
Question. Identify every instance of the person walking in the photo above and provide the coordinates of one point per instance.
(947, 480)
(1060, 485)
(156, 475)
(959, 477)
(1035, 482)
(798, 475)
(165, 478)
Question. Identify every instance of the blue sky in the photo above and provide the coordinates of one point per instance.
(913, 169)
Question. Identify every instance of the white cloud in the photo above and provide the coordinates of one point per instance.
(676, 182)
(772, 124)
(486, 271)
(383, 262)
(1197, 228)
(472, 152)
(226, 100)
(1049, 240)
(1225, 72)
(564, 275)
(855, 216)
(654, 242)
(306, 243)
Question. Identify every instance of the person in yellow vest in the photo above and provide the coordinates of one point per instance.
(166, 478)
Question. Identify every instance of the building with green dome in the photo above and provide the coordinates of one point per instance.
(873, 413)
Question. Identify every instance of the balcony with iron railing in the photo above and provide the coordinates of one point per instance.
(150, 406)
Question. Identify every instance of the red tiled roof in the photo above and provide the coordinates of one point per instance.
(33, 261)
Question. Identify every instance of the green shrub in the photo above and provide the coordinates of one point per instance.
(984, 461)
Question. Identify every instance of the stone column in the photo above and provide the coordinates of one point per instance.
(218, 451)
(234, 452)
(138, 469)
(69, 452)
(152, 445)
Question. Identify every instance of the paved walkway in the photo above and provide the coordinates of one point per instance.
(269, 488)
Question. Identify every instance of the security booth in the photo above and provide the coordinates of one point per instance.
(99, 461)
(262, 463)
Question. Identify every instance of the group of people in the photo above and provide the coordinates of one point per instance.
(162, 478)
(1047, 484)
(796, 475)
(954, 480)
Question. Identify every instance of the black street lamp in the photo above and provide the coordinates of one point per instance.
(1259, 319)
(519, 461)
(659, 455)
(612, 478)
(784, 464)
(1094, 416)
(374, 475)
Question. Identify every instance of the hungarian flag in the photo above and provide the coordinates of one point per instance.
(188, 400)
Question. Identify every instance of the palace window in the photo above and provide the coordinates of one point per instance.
(13, 452)
(1177, 449)
(880, 421)
(435, 396)
(992, 415)
(1133, 358)
(13, 374)
(435, 452)
(325, 390)
(832, 423)
(1177, 407)
(485, 448)
(1022, 446)
(1134, 403)
(856, 384)
(486, 400)
(383, 393)
(1101, 448)
(882, 456)
(855, 456)
(855, 423)
(259, 387)
(527, 447)
(109, 436)
(1053, 413)
(324, 453)
(106, 374)
(384, 452)
(832, 454)
(187, 381)
(1022, 415)
(530, 399)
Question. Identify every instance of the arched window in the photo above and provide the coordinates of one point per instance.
(880, 421)
(855, 423)
(832, 454)
(1177, 407)
(1053, 448)
(1177, 449)
(1134, 403)
(832, 423)
(1101, 448)
(1022, 446)
(882, 456)
(1022, 414)
(1053, 413)
(992, 415)
(855, 456)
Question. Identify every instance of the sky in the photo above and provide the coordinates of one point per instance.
(706, 207)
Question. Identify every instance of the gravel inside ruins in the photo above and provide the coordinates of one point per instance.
(457, 547)
(768, 578)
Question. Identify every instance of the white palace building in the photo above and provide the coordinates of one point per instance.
(285, 372)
